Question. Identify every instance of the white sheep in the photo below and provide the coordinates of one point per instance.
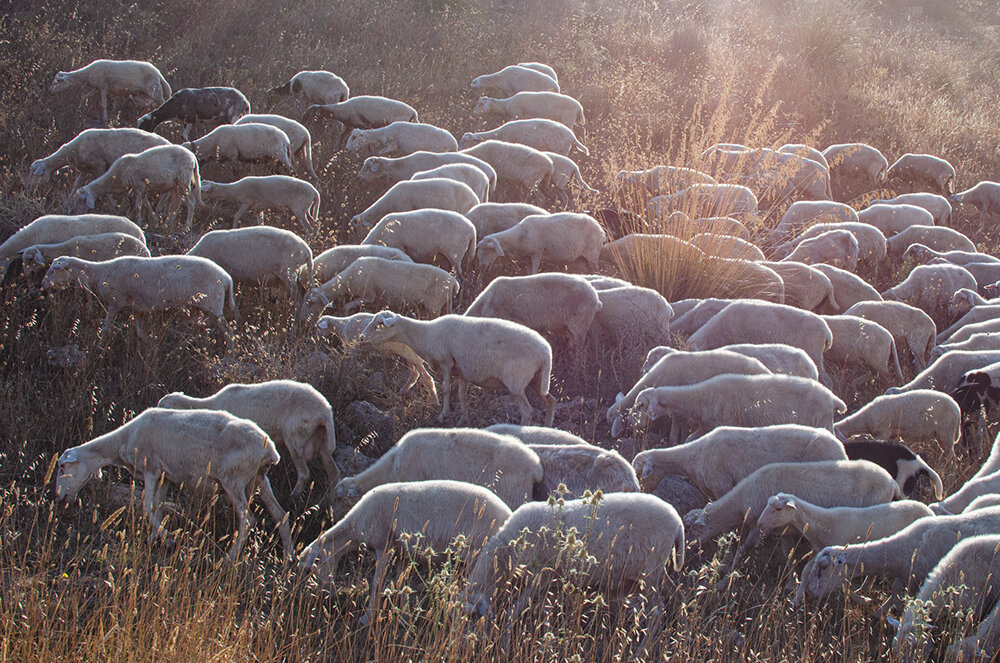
(268, 192)
(580, 468)
(871, 241)
(918, 416)
(938, 206)
(640, 248)
(716, 462)
(891, 219)
(538, 435)
(501, 463)
(552, 302)
(244, 142)
(689, 319)
(164, 169)
(779, 176)
(400, 139)
(103, 246)
(706, 200)
(680, 225)
(408, 516)
(855, 162)
(776, 357)
(631, 314)
(392, 170)
(556, 238)
(335, 260)
(564, 172)
(910, 327)
(489, 218)
(859, 340)
(315, 87)
(983, 483)
(931, 288)
(92, 152)
(525, 105)
(427, 233)
(727, 246)
(661, 180)
(260, 253)
(407, 196)
(183, 447)
(979, 313)
(848, 288)
(292, 413)
(400, 284)
(945, 373)
(299, 138)
(985, 196)
(485, 352)
(364, 112)
(834, 247)
(827, 483)
(966, 299)
(542, 67)
(602, 282)
(989, 340)
(805, 287)
(56, 228)
(521, 170)
(922, 254)
(513, 79)
(543, 135)
(114, 77)
(469, 175)
(937, 238)
(802, 214)
(967, 330)
(806, 151)
(985, 273)
(148, 284)
(923, 170)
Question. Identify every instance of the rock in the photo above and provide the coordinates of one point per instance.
(374, 431)
(680, 493)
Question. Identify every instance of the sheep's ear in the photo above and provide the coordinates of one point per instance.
(790, 504)
(36, 255)
(619, 398)
(375, 166)
(98, 474)
(322, 324)
(352, 491)
(496, 244)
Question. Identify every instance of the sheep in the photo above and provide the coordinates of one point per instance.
(906, 467)
(834, 247)
(977, 396)
(543, 135)
(743, 400)
(183, 448)
(938, 206)
(244, 142)
(501, 463)
(931, 288)
(985, 197)
(687, 322)
(776, 357)
(103, 246)
(985, 273)
(56, 228)
(805, 151)
(716, 462)
(805, 287)
(639, 248)
(114, 77)
(335, 260)
(521, 170)
(426, 233)
(661, 180)
(945, 373)
(892, 219)
(744, 279)
(727, 246)
(377, 169)
(936, 238)
(923, 170)
(805, 213)
(632, 314)
(969, 329)
(194, 105)
(538, 435)
(966, 299)
(617, 222)
(972, 565)
(299, 139)
(163, 169)
(364, 112)
(410, 516)
(959, 501)
(780, 176)
(407, 196)
(918, 416)
(855, 162)
(921, 255)
(601, 282)
(272, 192)
(871, 241)
(983, 502)
(848, 288)
(676, 369)
(765, 322)
(350, 328)
(485, 352)
(292, 413)
(579, 468)
(315, 87)
(979, 313)
(542, 67)
(147, 284)
(513, 79)
(989, 340)
(473, 177)
(558, 303)
(826, 483)
(400, 139)
(489, 218)
(565, 171)
(370, 279)
(525, 105)
(858, 340)
(707, 200)
(680, 225)
(92, 152)
(559, 238)
(260, 253)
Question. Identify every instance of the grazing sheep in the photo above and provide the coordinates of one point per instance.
(382, 169)
(639, 248)
(937, 238)
(716, 462)
(315, 87)
(269, 192)
(780, 176)
(983, 502)
(164, 169)
(985, 273)
(848, 288)
(871, 241)
(542, 67)
(407, 196)
(906, 467)
(526, 105)
(244, 142)
(805, 287)
(513, 79)
(485, 351)
(916, 417)
(938, 206)
(292, 413)
(557, 303)
(543, 135)
(985, 197)
(922, 254)
(115, 77)
(858, 340)
(979, 313)
(969, 329)
(727, 246)
(601, 282)
(333, 261)
(469, 175)
(556, 238)
(706, 200)
(776, 357)
(661, 180)
(501, 463)
(680, 225)
(803, 214)
(983, 483)
(826, 483)
(299, 139)
(687, 322)
(855, 162)
(744, 279)
(966, 299)
(834, 247)
(565, 171)
(892, 219)
(103, 246)
(400, 139)
(364, 112)
(538, 435)
(989, 340)
(402, 285)
(349, 329)
(920, 170)
(258, 254)
(945, 373)
(632, 314)
(580, 468)
(92, 152)
(805, 151)
(409, 516)
(194, 105)
(489, 218)
(521, 170)
(148, 284)
(426, 233)
(931, 288)
(183, 448)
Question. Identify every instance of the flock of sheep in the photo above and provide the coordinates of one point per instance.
(753, 423)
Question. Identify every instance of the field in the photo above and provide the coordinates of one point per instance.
(659, 81)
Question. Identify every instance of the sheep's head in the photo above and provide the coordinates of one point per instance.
(696, 527)
(39, 170)
(76, 468)
(208, 188)
(62, 81)
(478, 82)
(146, 122)
(827, 574)
(484, 105)
(380, 329)
(313, 304)
(778, 512)
(372, 169)
(488, 250)
(647, 407)
(919, 253)
(357, 141)
(961, 302)
(32, 261)
(468, 140)
(83, 199)
(646, 471)
(63, 272)
(175, 400)
(317, 558)
(347, 488)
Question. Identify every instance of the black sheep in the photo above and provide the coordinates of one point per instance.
(193, 104)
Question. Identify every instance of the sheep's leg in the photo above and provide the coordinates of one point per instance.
(536, 260)
(428, 383)
(382, 560)
(244, 207)
(244, 518)
(463, 399)
(137, 205)
(273, 508)
(102, 335)
(446, 388)
(524, 405)
(104, 105)
(152, 502)
(301, 470)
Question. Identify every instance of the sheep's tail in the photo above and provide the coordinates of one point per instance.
(307, 271)
(580, 146)
(196, 184)
(165, 88)
(580, 119)
(579, 179)
(895, 362)
(831, 300)
(231, 309)
(677, 554)
(282, 89)
(329, 447)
